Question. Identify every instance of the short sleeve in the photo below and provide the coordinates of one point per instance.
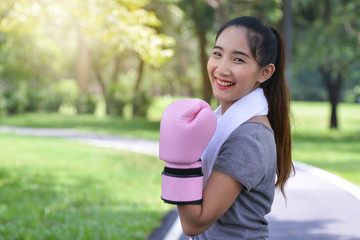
(242, 158)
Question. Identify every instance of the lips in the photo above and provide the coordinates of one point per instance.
(223, 84)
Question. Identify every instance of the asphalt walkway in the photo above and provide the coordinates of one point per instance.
(103, 140)
(319, 206)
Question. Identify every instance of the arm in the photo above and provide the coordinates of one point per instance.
(219, 194)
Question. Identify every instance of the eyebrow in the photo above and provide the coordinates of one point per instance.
(234, 52)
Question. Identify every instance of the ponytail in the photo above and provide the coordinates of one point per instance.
(278, 96)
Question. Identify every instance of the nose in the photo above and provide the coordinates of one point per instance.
(223, 68)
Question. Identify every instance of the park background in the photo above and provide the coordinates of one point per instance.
(112, 66)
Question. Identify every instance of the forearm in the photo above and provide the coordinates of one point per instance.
(219, 194)
(192, 219)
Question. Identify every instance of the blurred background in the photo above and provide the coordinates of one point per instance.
(87, 56)
(112, 66)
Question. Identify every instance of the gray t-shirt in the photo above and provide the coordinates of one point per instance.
(249, 156)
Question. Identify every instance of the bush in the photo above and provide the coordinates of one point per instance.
(51, 100)
(15, 99)
(64, 92)
(141, 103)
(86, 104)
(34, 98)
(2, 105)
(116, 99)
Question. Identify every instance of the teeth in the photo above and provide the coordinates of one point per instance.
(225, 84)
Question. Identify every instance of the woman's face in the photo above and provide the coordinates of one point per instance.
(232, 69)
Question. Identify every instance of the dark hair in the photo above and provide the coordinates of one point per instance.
(267, 46)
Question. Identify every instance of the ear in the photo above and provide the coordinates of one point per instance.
(266, 72)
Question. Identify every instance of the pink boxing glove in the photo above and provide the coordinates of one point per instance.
(186, 128)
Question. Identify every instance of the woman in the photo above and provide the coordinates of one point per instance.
(242, 171)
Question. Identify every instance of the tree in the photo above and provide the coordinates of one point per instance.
(287, 30)
(202, 15)
(25, 57)
(325, 44)
(128, 28)
(83, 30)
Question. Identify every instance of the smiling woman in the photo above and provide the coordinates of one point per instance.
(250, 152)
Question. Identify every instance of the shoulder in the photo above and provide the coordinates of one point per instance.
(248, 154)
(250, 138)
(251, 131)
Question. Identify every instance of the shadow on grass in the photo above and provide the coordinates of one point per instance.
(38, 206)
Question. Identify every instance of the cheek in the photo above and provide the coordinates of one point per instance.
(210, 67)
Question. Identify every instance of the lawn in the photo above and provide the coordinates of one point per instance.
(337, 151)
(59, 189)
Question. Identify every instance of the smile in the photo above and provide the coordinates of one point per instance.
(223, 83)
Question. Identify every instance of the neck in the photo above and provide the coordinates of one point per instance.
(225, 106)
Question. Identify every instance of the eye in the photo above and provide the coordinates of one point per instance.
(216, 54)
(239, 60)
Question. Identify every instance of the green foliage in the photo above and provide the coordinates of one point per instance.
(52, 100)
(63, 93)
(39, 43)
(67, 90)
(141, 103)
(125, 25)
(86, 104)
(201, 13)
(118, 98)
(15, 99)
(324, 36)
(300, 90)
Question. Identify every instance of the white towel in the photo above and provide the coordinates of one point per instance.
(251, 105)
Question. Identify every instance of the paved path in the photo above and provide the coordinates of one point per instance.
(103, 140)
(320, 205)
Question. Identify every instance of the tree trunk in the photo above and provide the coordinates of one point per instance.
(103, 89)
(333, 120)
(116, 72)
(137, 91)
(333, 83)
(207, 90)
(83, 62)
(286, 30)
(222, 11)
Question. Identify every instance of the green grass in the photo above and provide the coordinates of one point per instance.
(59, 189)
(337, 151)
